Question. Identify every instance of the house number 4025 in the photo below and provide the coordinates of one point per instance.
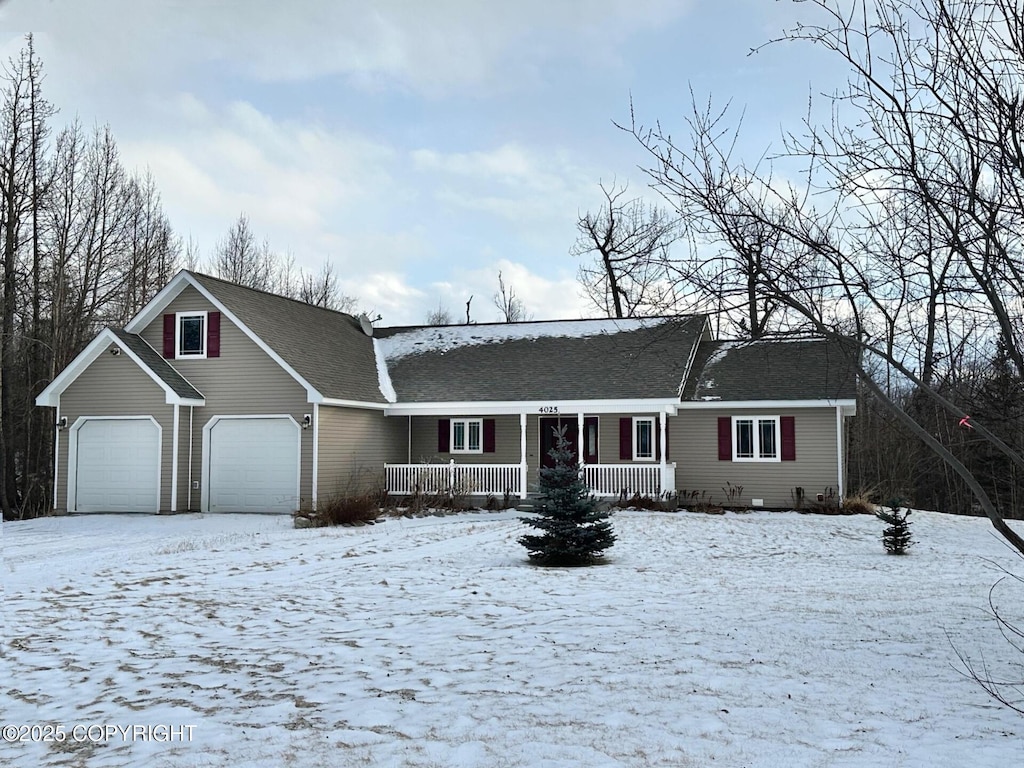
(549, 409)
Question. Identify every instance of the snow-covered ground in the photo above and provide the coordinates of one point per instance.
(738, 640)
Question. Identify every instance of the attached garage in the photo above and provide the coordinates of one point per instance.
(251, 464)
(114, 465)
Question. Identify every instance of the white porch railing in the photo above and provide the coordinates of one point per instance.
(467, 479)
(604, 480)
(629, 479)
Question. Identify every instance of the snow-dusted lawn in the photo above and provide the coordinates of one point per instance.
(736, 640)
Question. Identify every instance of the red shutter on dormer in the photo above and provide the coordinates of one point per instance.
(725, 438)
(168, 337)
(444, 435)
(787, 425)
(489, 436)
(626, 439)
(213, 334)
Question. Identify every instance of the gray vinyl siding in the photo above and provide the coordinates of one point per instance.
(693, 446)
(116, 386)
(244, 380)
(354, 446)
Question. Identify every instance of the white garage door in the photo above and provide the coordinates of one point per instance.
(117, 466)
(254, 465)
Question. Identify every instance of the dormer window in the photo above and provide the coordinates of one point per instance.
(190, 338)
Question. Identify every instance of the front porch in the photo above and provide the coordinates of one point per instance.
(642, 470)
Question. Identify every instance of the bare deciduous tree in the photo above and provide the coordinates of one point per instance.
(239, 258)
(440, 316)
(628, 241)
(909, 209)
(511, 306)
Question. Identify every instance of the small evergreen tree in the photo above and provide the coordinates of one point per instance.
(574, 531)
(896, 537)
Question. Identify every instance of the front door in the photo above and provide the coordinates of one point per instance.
(548, 430)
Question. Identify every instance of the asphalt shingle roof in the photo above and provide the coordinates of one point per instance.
(327, 348)
(156, 363)
(779, 369)
(558, 360)
(536, 361)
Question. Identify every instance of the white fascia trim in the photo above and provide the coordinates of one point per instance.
(847, 405)
(351, 404)
(155, 307)
(541, 407)
(51, 395)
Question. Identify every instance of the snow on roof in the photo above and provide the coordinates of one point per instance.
(383, 376)
(417, 341)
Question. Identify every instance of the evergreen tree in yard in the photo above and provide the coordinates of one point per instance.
(574, 531)
(896, 537)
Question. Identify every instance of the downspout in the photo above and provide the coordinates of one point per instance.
(663, 440)
(174, 460)
(316, 454)
(56, 453)
(408, 439)
(191, 410)
(840, 459)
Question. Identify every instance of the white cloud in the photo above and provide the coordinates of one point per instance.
(292, 179)
(429, 47)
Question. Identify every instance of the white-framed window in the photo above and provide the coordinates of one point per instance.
(643, 438)
(756, 438)
(190, 335)
(467, 436)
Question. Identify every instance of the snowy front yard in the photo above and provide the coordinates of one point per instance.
(736, 640)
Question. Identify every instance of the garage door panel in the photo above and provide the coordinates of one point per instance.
(117, 466)
(254, 465)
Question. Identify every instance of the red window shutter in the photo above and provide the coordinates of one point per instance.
(444, 435)
(489, 436)
(168, 337)
(626, 439)
(725, 438)
(787, 426)
(213, 334)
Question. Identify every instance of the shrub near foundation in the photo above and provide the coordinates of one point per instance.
(348, 509)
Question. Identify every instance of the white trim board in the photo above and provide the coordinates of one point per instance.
(564, 407)
(105, 340)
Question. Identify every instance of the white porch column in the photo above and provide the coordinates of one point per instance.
(522, 454)
(663, 440)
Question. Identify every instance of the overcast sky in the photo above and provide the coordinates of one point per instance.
(421, 146)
